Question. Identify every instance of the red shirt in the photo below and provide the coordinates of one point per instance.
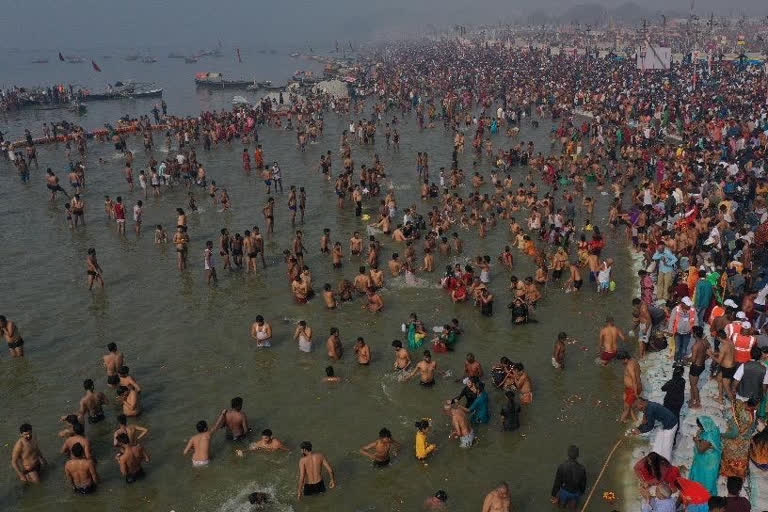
(119, 211)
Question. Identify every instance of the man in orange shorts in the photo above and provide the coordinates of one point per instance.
(633, 386)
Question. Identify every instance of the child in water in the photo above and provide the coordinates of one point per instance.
(423, 447)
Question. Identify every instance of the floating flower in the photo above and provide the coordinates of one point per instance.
(609, 496)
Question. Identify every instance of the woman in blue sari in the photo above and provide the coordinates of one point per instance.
(479, 412)
(707, 450)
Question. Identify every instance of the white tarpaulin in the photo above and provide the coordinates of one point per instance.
(335, 88)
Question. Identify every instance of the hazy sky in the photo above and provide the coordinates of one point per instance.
(194, 24)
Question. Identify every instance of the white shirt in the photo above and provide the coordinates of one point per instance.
(137, 213)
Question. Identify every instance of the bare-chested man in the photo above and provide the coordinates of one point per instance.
(426, 368)
(81, 471)
(268, 443)
(609, 342)
(77, 437)
(355, 245)
(575, 281)
(91, 404)
(200, 444)
(644, 325)
(12, 336)
(402, 357)
(310, 472)
(462, 429)
(112, 361)
(26, 458)
(235, 421)
(333, 344)
(93, 269)
(498, 499)
(129, 458)
(134, 432)
(362, 351)
(472, 367)
(379, 450)
(131, 400)
(374, 303)
(523, 383)
(633, 385)
(698, 359)
(725, 359)
(395, 266)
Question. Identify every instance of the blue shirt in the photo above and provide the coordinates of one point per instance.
(657, 505)
(667, 260)
(657, 412)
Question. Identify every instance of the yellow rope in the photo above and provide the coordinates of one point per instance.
(605, 465)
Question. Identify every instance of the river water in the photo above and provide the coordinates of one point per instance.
(188, 345)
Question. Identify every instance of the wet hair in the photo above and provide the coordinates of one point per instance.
(122, 419)
(77, 450)
(78, 428)
(329, 371)
(71, 419)
(112, 347)
(427, 354)
(201, 426)
(562, 336)
(259, 318)
(422, 424)
(397, 343)
(266, 432)
(441, 495)
(121, 390)
(306, 446)
(122, 437)
(123, 370)
(385, 433)
(623, 355)
(237, 403)
(88, 384)
(25, 427)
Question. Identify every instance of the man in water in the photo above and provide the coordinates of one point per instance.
(261, 331)
(200, 444)
(130, 457)
(462, 430)
(112, 362)
(11, 333)
(609, 342)
(310, 472)
(235, 421)
(426, 368)
(333, 344)
(498, 499)
(570, 481)
(81, 471)
(130, 399)
(77, 437)
(134, 432)
(633, 384)
(362, 351)
(437, 502)
(268, 443)
(379, 450)
(402, 357)
(26, 458)
(91, 404)
(558, 354)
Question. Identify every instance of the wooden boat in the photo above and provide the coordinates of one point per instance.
(77, 108)
(217, 81)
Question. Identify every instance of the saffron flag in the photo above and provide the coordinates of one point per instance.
(61, 57)
(95, 67)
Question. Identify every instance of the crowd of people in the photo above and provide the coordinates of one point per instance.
(679, 157)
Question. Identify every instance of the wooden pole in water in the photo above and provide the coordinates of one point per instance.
(605, 465)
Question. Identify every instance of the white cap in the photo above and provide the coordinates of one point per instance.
(687, 301)
(741, 315)
(730, 304)
(746, 325)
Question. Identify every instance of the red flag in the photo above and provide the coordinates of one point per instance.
(95, 67)
(238, 56)
(61, 57)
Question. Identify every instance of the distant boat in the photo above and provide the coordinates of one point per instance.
(295, 54)
(216, 80)
(77, 108)
(124, 92)
(131, 58)
(190, 60)
(148, 60)
(40, 61)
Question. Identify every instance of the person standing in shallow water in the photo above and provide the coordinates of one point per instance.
(570, 481)
(311, 466)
